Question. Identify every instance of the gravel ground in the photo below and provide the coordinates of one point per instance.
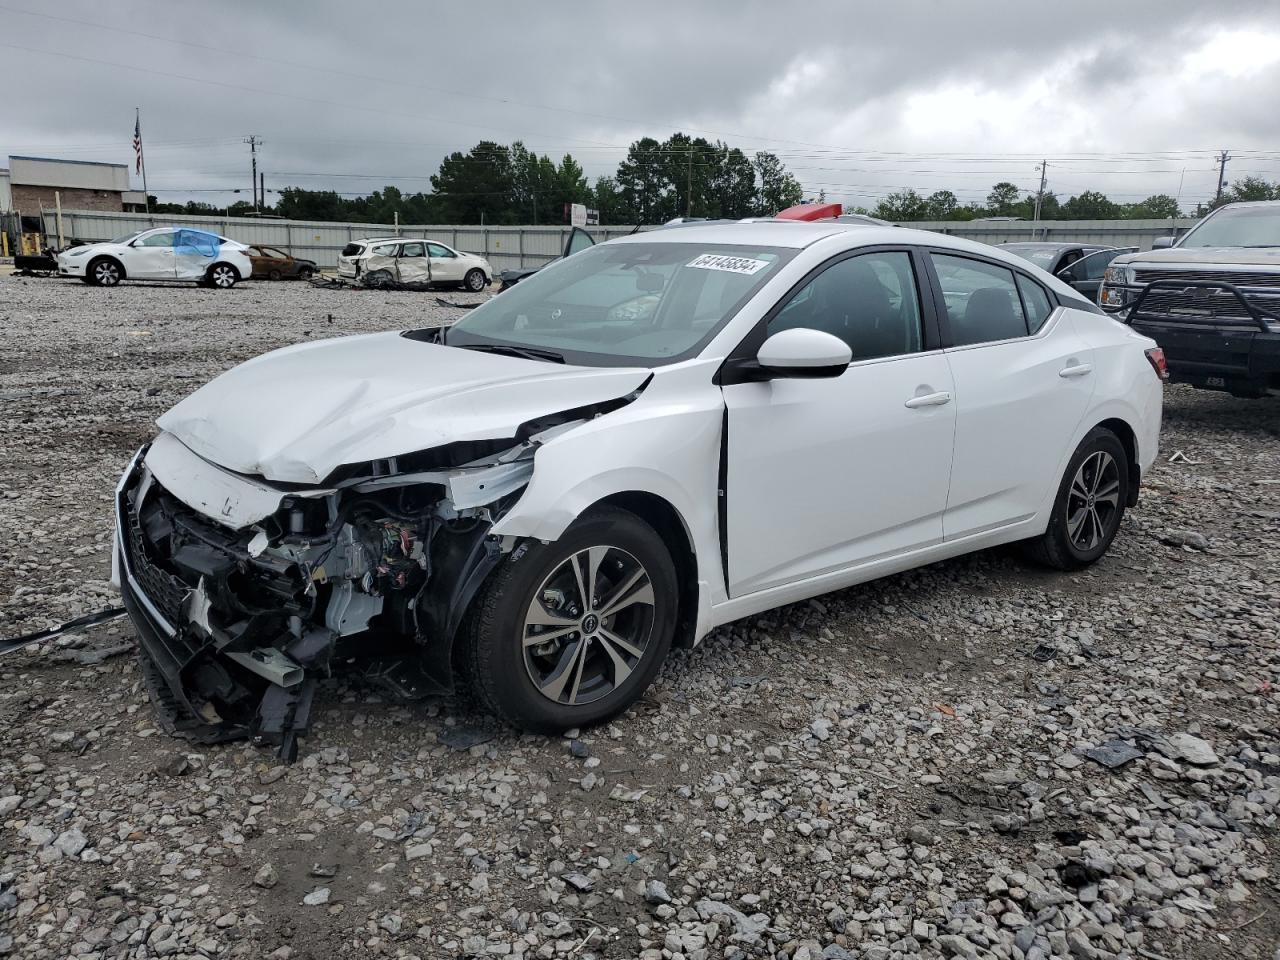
(917, 767)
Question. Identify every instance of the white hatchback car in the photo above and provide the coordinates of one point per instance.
(642, 441)
(166, 253)
(414, 261)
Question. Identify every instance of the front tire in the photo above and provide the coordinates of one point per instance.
(222, 276)
(105, 272)
(570, 633)
(474, 280)
(305, 273)
(1090, 504)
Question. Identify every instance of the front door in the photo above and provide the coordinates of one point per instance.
(827, 474)
(151, 257)
(1023, 380)
(444, 264)
(1085, 275)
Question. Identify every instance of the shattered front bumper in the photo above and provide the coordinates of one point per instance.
(178, 664)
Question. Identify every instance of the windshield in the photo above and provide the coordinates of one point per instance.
(1040, 256)
(626, 303)
(1242, 227)
(127, 237)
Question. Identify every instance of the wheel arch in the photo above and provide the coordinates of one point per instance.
(225, 263)
(662, 515)
(124, 273)
(1129, 440)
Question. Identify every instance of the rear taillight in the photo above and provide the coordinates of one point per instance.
(1155, 356)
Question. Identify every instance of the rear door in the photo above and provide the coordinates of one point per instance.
(151, 257)
(1023, 382)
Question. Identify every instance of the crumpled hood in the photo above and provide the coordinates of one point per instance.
(295, 414)
(1224, 256)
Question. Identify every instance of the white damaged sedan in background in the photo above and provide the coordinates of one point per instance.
(655, 436)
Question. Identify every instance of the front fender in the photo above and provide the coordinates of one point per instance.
(665, 447)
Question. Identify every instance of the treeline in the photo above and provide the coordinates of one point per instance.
(499, 184)
(1007, 200)
(681, 176)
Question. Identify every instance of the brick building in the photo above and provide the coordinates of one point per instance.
(34, 181)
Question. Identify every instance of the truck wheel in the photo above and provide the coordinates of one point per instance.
(105, 272)
(570, 633)
(1089, 506)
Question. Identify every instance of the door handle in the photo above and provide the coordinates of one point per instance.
(1075, 370)
(928, 400)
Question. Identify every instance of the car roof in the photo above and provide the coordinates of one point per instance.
(1249, 203)
(795, 234)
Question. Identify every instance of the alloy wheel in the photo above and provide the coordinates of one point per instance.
(223, 277)
(106, 273)
(1093, 501)
(588, 625)
(475, 281)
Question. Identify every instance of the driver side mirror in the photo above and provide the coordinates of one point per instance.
(1163, 243)
(800, 353)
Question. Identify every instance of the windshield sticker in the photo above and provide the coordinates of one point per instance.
(714, 261)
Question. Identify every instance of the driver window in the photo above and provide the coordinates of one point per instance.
(412, 250)
(1093, 266)
(157, 240)
(869, 301)
(439, 250)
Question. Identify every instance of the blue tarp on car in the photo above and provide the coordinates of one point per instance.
(196, 241)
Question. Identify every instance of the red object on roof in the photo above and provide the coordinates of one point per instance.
(811, 211)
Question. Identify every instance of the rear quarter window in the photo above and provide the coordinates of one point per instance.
(353, 249)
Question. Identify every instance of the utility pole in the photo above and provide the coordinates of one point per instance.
(1223, 157)
(1044, 166)
(254, 143)
(688, 184)
(262, 187)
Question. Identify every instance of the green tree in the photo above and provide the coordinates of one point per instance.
(1002, 199)
(1251, 188)
(1159, 206)
(1090, 205)
(904, 205)
(941, 205)
(478, 187)
(778, 189)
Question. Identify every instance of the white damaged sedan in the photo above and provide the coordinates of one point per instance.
(643, 441)
(165, 253)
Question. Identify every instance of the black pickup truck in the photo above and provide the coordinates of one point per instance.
(1211, 299)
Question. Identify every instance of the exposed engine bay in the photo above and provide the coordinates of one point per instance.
(246, 593)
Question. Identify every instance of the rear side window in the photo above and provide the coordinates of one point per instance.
(981, 299)
(1036, 302)
(353, 249)
(412, 250)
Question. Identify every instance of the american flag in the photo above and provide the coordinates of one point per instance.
(137, 145)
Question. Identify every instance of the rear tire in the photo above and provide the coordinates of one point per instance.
(222, 276)
(1089, 507)
(600, 654)
(474, 280)
(104, 272)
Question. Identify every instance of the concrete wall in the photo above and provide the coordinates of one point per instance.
(6, 198)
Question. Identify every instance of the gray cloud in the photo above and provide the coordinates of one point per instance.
(352, 96)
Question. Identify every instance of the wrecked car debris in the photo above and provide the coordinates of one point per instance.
(79, 623)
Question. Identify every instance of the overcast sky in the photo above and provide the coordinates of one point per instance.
(859, 99)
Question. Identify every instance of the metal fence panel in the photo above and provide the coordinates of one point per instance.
(513, 247)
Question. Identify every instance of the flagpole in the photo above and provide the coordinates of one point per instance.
(142, 158)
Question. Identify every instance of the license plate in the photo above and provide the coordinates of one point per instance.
(1215, 382)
